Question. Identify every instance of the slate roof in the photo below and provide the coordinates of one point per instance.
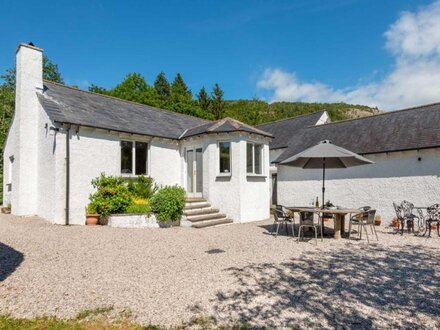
(283, 130)
(222, 126)
(407, 129)
(70, 105)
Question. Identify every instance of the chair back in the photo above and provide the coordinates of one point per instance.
(421, 215)
(407, 208)
(278, 214)
(434, 212)
(398, 210)
(370, 216)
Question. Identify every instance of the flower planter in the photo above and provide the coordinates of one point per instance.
(6, 210)
(132, 221)
(395, 223)
(377, 222)
(92, 219)
(327, 219)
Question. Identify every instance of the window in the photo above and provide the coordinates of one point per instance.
(224, 157)
(134, 157)
(254, 158)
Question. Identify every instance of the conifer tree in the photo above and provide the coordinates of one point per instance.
(217, 102)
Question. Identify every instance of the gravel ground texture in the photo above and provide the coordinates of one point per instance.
(232, 274)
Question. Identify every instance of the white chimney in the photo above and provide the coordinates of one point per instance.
(29, 81)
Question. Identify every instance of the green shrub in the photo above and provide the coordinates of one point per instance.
(139, 209)
(168, 203)
(111, 195)
(139, 206)
(90, 209)
(141, 187)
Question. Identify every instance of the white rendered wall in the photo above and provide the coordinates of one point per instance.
(255, 193)
(92, 152)
(394, 177)
(165, 162)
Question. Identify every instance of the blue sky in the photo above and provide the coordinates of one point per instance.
(305, 50)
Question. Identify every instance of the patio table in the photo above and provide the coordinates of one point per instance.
(339, 216)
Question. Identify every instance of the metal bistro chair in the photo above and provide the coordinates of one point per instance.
(310, 222)
(281, 217)
(421, 224)
(433, 217)
(363, 220)
(409, 217)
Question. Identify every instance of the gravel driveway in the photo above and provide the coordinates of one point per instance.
(167, 276)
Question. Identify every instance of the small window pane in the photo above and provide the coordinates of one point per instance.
(141, 158)
(126, 157)
(225, 157)
(258, 158)
(249, 158)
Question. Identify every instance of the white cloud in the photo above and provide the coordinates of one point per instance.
(414, 41)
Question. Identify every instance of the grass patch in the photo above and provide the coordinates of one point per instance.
(96, 319)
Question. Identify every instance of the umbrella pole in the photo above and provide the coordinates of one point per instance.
(323, 182)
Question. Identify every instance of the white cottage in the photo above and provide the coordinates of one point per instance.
(404, 145)
(62, 137)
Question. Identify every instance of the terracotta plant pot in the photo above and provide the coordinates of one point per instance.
(6, 210)
(395, 223)
(434, 226)
(92, 219)
(377, 222)
(327, 219)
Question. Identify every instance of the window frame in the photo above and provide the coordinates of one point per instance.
(224, 174)
(133, 158)
(262, 167)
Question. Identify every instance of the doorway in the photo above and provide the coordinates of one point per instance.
(194, 172)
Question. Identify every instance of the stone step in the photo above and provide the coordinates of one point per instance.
(198, 205)
(213, 216)
(199, 211)
(211, 223)
(195, 199)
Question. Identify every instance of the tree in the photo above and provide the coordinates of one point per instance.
(133, 88)
(162, 86)
(204, 100)
(50, 71)
(217, 102)
(180, 99)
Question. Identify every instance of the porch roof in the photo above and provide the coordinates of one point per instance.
(225, 125)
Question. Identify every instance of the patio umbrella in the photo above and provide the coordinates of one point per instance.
(325, 155)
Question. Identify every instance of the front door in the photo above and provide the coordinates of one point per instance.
(194, 172)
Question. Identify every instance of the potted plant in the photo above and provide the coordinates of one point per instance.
(7, 209)
(92, 217)
(395, 223)
(377, 220)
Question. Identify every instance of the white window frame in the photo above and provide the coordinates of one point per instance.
(133, 158)
(226, 174)
(253, 159)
